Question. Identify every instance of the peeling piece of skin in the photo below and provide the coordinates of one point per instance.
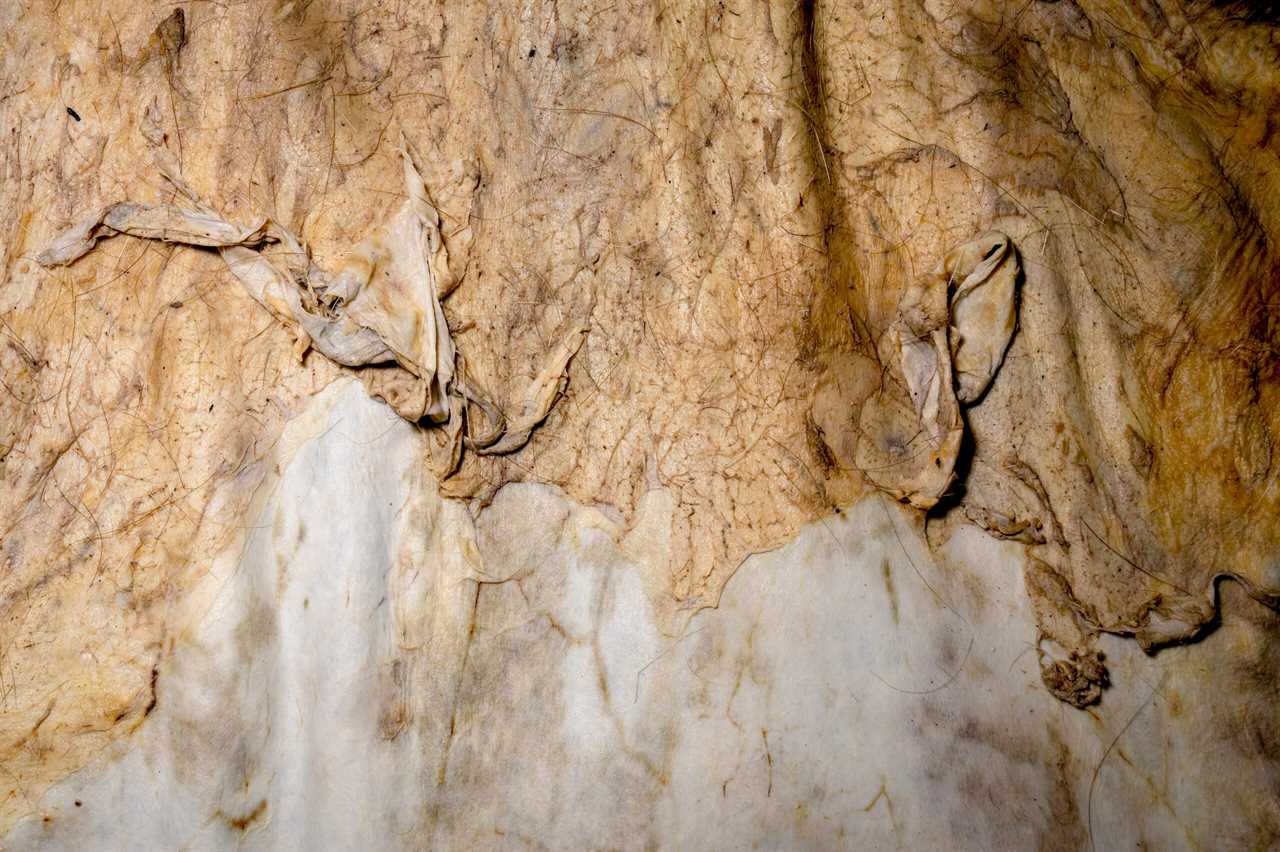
(444, 466)
(1078, 675)
(915, 461)
(1169, 620)
(541, 395)
(163, 222)
(497, 422)
(382, 310)
(338, 338)
(1000, 525)
(946, 342)
(984, 273)
(388, 285)
(926, 366)
(167, 41)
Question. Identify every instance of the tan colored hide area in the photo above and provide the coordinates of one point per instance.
(723, 271)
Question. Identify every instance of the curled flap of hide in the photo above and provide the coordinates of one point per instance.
(542, 393)
(1070, 667)
(387, 285)
(163, 222)
(911, 453)
(381, 310)
(945, 350)
(924, 367)
(338, 338)
(984, 273)
(1169, 619)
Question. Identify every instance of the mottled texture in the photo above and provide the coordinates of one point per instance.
(403, 677)
(1126, 148)
(734, 196)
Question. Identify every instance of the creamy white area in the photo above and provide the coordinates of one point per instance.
(370, 670)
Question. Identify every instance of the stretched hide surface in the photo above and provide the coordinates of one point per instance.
(686, 425)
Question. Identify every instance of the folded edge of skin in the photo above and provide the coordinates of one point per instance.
(382, 309)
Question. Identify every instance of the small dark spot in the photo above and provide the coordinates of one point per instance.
(79, 803)
(533, 51)
(73, 113)
(175, 304)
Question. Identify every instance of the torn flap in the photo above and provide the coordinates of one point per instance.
(945, 344)
(1070, 667)
(444, 279)
(1171, 619)
(338, 338)
(397, 387)
(381, 311)
(984, 273)
(911, 454)
(163, 222)
(388, 286)
(541, 395)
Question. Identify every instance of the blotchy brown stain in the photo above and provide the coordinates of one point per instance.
(886, 571)
(242, 823)
(883, 793)
(771, 135)
(1067, 830)
(151, 705)
(967, 750)
(764, 735)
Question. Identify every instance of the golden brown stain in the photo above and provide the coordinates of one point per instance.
(886, 572)
(242, 823)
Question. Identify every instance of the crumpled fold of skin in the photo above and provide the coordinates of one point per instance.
(984, 309)
(1077, 673)
(910, 451)
(546, 387)
(387, 285)
(945, 346)
(164, 222)
(382, 309)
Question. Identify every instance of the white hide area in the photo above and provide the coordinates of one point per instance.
(368, 669)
